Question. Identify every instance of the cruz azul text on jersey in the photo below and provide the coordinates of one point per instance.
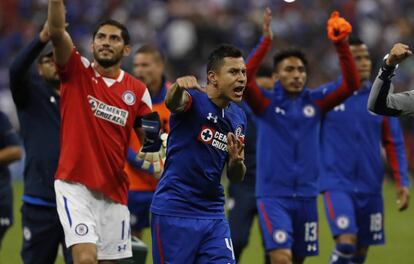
(108, 112)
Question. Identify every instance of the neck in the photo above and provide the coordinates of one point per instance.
(154, 87)
(110, 72)
(217, 99)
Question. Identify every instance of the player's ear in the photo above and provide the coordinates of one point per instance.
(127, 50)
(275, 77)
(212, 78)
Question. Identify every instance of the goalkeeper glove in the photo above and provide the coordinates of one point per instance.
(153, 162)
(151, 126)
(337, 27)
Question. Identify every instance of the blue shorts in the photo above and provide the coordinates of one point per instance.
(6, 211)
(177, 240)
(289, 223)
(359, 214)
(139, 204)
(42, 235)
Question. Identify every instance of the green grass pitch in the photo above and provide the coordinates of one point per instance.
(399, 230)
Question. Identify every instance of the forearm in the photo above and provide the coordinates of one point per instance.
(62, 43)
(10, 154)
(253, 95)
(350, 81)
(176, 98)
(348, 68)
(236, 171)
(56, 19)
(382, 100)
(24, 59)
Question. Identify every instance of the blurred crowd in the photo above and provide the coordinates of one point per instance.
(187, 30)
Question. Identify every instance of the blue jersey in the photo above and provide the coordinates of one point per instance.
(288, 128)
(196, 158)
(351, 147)
(8, 138)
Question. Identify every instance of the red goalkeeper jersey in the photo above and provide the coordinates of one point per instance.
(97, 114)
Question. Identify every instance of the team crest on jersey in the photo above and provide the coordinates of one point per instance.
(239, 133)
(342, 222)
(81, 229)
(280, 236)
(129, 97)
(108, 112)
(309, 111)
(212, 137)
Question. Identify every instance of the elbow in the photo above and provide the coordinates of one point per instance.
(56, 34)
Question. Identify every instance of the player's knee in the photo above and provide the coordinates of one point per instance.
(84, 254)
(346, 239)
(281, 256)
(86, 258)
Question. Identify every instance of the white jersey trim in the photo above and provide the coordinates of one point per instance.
(146, 98)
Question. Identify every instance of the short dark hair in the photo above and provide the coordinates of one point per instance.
(286, 53)
(124, 31)
(355, 40)
(264, 71)
(151, 50)
(216, 57)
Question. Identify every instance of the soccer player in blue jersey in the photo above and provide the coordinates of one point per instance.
(241, 200)
(352, 170)
(205, 142)
(10, 151)
(288, 127)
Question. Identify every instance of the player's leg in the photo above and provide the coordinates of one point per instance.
(276, 225)
(176, 239)
(305, 229)
(6, 211)
(360, 255)
(42, 234)
(139, 206)
(370, 219)
(216, 246)
(77, 207)
(241, 204)
(114, 231)
(340, 213)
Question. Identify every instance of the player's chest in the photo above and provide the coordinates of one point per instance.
(214, 125)
(292, 111)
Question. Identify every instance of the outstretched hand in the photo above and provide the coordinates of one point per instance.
(398, 53)
(189, 82)
(267, 19)
(338, 28)
(235, 148)
(44, 33)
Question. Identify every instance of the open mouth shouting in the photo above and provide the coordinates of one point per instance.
(238, 91)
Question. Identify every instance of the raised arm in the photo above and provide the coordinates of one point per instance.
(253, 94)
(19, 75)
(62, 43)
(381, 99)
(338, 30)
(177, 99)
(393, 142)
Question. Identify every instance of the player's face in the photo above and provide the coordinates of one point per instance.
(231, 79)
(108, 46)
(291, 72)
(47, 69)
(147, 68)
(362, 60)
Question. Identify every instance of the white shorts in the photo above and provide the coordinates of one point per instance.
(88, 216)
